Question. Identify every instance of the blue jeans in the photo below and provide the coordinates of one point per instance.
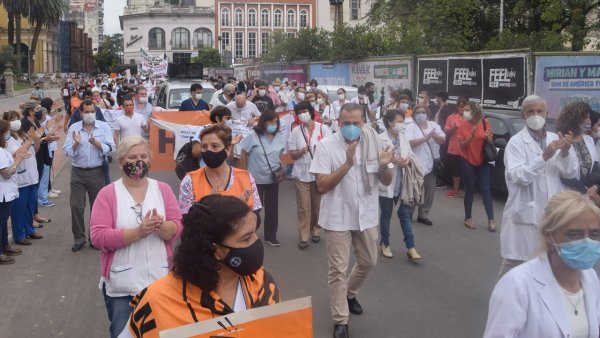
(288, 170)
(404, 215)
(5, 208)
(42, 195)
(22, 212)
(118, 312)
(472, 175)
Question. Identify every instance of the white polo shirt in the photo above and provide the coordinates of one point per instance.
(346, 207)
(128, 126)
(27, 173)
(9, 189)
(299, 140)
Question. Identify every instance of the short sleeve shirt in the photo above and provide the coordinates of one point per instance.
(300, 138)
(425, 152)
(472, 152)
(8, 186)
(453, 145)
(128, 126)
(257, 162)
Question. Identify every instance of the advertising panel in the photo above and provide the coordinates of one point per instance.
(565, 79)
(465, 79)
(284, 72)
(433, 75)
(505, 81)
(385, 74)
(331, 74)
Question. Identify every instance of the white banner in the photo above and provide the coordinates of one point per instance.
(111, 116)
(183, 133)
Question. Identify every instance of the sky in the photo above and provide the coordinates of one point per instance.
(112, 10)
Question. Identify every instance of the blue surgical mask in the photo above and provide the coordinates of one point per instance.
(581, 254)
(420, 118)
(271, 129)
(350, 132)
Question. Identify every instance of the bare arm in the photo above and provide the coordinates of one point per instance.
(244, 160)
(116, 136)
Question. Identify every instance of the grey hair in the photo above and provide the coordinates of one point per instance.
(533, 99)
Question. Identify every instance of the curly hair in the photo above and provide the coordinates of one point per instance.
(269, 115)
(572, 116)
(211, 220)
(476, 111)
(390, 116)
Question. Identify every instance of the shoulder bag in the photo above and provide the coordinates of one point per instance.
(279, 174)
(438, 165)
(489, 151)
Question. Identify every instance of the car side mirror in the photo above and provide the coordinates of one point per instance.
(500, 143)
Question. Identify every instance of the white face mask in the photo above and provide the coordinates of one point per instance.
(404, 106)
(467, 115)
(262, 92)
(143, 99)
(341, 96)
(89, 118)
(535, 122)
(400, 128)
(420, 118)
(319, 101)
(301, 96)
(15, 125)
(304, 117)
(229, 122)
(198, 96)
(276, 88)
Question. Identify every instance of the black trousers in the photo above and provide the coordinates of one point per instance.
(269, 196)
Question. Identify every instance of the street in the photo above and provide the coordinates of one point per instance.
(52, 292)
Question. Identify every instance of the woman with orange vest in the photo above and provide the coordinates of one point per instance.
(217, 177)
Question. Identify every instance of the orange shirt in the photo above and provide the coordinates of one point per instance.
(473, 151)
(453, 145)
(75, 102)
(241, 183)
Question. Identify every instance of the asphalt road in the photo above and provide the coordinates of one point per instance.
(52, 292)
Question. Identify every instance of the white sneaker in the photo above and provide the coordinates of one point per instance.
(52, 195)
(58, 192)
(386, 251)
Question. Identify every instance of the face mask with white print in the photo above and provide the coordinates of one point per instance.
(467, 115)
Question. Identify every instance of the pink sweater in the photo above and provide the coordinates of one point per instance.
(109, 239)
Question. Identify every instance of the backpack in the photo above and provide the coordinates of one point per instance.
(185, 162)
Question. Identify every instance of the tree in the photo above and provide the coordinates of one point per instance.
(15, 10)
(43, 13)
(109, 54)
(7, 54)
(209, 57)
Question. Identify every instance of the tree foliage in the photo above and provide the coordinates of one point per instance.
(209, 57)
(109, 54)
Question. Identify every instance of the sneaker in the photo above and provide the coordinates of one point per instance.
(386, 251)
(5, 260)
(273, 243)
(441, 186)
(452, 193)
(47, 204)
(52, 195)
(55, 191)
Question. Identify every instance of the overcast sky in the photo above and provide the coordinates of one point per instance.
(112, 10)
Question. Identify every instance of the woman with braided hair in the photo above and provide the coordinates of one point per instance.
(217, 270)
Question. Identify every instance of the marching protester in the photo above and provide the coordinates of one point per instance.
(99, 101)
(133, 221)
(363, 100)
(51, 126)
(407, 179)
(347, 164)
(130, 123)
(261, 156)
(336, 107)
(425, 138)
(535, 160)
(87, 143)
(217, 270)
(27, 176)
(9, 189)
(141, 104)
(298, 95)
(217, 176)
(454, 154)
(261, 98)
(556, 293)
(244, 115)
(224, 98)
(323, 107)
(475, 170)
(302, 146)
(195, 101)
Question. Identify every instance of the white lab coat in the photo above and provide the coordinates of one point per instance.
(405, 151)
(531, 182)
(528, 302)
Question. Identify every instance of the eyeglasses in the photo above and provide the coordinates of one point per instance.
(138, 211)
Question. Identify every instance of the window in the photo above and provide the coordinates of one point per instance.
(239, 45)
(239, 17)
(303, 19)
(224, 41)
(156, 38)
(264, 42)
(180, 38)
(182, 57)
(264, 18)
(354, 6)
(252, 18)
(202, 38)
(252, 45)
(291, 34)
(225, 17)
(278, 18)
(291, 18)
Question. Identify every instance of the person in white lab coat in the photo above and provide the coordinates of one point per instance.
(535, 160)
(556, 294)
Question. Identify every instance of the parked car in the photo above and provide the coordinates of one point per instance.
(505, 124)
(170, 94)
(351, 92)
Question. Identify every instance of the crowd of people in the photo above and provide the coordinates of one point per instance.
(366, 158)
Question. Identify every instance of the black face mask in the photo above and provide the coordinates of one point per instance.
(136, 170)
(214, 159)
(38, 115)
(245, 261)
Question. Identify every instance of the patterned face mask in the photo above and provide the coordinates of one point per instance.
(136, 170)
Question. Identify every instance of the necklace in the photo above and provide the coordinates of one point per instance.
(575, 306)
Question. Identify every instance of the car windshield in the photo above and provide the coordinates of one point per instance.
(178, 95)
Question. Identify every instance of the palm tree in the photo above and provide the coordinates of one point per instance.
(43, 13)
(15, 10)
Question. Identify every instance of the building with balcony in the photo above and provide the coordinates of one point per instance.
(244, 28)
(351, 12)
(89, 16)
(175, 28)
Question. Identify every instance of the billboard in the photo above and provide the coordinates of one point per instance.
(505, 81)
(331, 74)
(385, 74)
(284, 72)
(433, 76)
(465, 79)
(569, 78)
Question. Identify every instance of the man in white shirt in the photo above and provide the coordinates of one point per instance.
(222, 97)
(347, 166)
(130, 123)
(244, 115)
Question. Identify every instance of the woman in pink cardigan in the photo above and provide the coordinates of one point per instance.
(134, 221)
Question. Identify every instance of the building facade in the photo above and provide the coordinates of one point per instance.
(351, 12)
(175, 28)
(74, 49)
(89, 16)
(244, 28)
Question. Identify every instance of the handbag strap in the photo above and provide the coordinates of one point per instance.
(307, 142)
(429, 145)
(264, 151)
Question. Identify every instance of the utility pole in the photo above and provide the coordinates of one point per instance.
(501, 16)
